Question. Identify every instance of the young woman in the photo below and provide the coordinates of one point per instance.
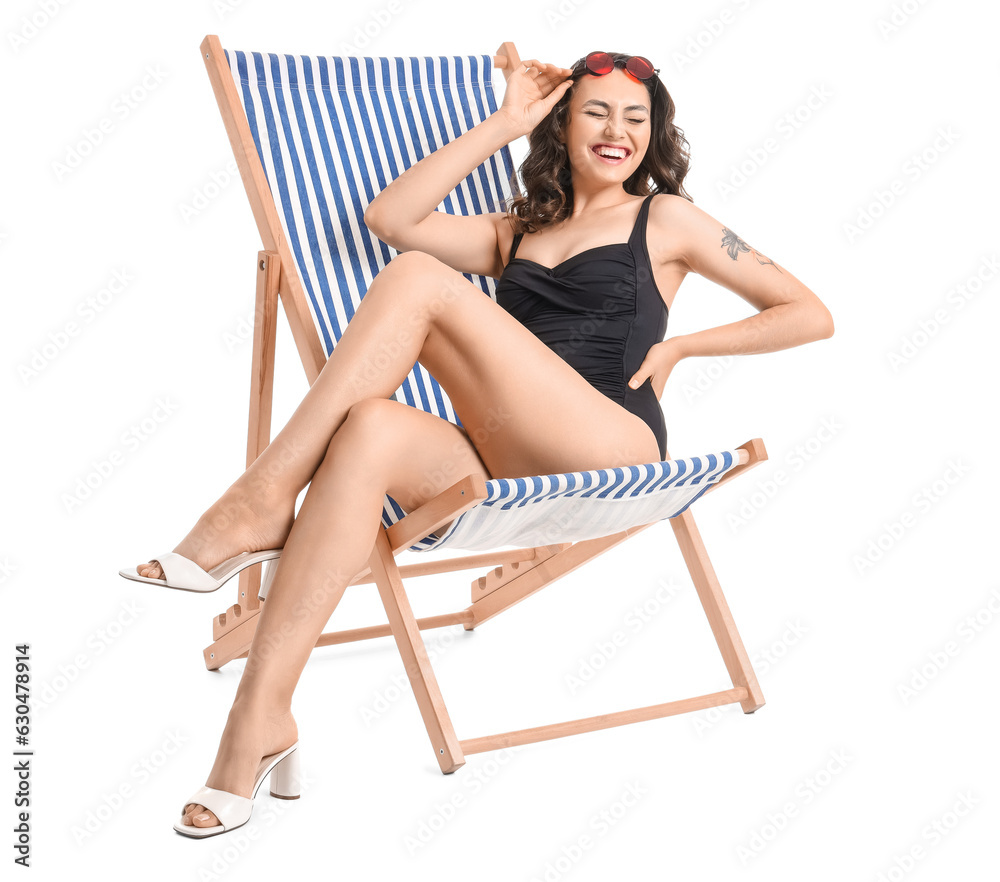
(589, 260)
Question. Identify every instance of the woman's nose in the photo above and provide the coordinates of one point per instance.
(614, 125)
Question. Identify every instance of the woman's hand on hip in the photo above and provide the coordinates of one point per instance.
(660, 360)
(533, 89)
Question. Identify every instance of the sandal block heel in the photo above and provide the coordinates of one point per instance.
(286, 778)
(267, 577)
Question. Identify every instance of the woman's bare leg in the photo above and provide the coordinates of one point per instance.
(417, 307)
(383, 446)
(525, 411)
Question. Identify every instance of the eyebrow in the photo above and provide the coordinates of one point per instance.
(607, 106)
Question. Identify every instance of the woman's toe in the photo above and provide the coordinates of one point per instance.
(198, 816)
(204, 818)
(149, 570)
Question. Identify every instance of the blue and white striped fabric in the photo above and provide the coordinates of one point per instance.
(333, 132)
(544, 510)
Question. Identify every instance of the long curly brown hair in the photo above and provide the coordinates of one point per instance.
(548, 196)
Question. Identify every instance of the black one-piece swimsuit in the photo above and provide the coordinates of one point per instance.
(600, 310)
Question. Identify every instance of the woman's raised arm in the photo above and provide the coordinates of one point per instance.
(404, 214)
(788, 313)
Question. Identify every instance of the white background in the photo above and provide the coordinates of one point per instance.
(863, 451)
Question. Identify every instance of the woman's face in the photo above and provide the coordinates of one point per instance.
(609, 115)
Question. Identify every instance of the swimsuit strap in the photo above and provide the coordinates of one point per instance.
(513, 248)
(639, 230)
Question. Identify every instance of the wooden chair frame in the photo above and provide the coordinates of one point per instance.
(514, 574)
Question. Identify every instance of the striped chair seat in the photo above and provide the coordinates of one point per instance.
(547, 509)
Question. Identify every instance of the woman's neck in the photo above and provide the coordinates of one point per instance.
(596, 198)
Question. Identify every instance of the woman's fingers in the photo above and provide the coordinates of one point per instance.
(551, 83)
(529, 98)
(536, 68)
(554, 75)
(545, 76)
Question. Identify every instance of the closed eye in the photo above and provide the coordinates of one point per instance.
(591, 113)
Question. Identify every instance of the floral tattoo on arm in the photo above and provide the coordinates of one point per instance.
(734, 244)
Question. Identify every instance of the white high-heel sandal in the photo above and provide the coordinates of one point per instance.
(186, 575)
(234, 811)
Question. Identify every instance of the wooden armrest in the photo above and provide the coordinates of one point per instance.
(755, 453)
(425, 519)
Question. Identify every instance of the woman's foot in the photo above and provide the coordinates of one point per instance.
(245, 518)
(251, 734)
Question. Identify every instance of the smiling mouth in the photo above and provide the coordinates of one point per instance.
(611, 155)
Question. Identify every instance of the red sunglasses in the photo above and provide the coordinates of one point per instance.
(601, 63)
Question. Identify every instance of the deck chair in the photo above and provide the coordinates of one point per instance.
(315, 139)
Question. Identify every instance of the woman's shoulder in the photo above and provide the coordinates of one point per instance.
(667, 210)
(670, 220)
(663, 202)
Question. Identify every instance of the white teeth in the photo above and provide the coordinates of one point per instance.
(613, 152)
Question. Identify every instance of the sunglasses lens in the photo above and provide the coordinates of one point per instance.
(600, 63)
(639, 67)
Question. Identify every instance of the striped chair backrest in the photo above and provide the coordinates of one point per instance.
(333, 132)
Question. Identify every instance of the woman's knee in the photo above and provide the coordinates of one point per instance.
(417, 273)
(413, 260)
(410, 266)
(413, 455)
(368, 424)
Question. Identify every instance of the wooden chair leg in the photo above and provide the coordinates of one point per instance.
(411, 648)
(265, 326)
(717, 610)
